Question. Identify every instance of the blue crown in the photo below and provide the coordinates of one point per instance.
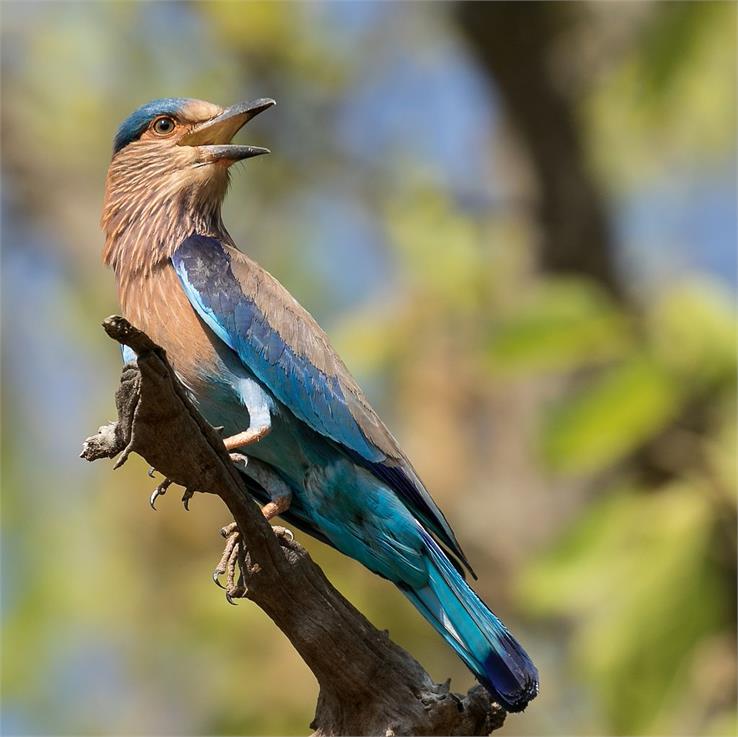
(135, 124)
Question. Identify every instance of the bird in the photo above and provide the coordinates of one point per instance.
(257, 365)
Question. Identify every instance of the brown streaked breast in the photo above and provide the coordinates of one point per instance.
(155, 303)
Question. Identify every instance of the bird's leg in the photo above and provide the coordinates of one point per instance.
(247, 437)
(274, 509)
(259, 404)
(280, 494)
(234, 554)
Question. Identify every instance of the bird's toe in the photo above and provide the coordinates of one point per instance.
(231, 564)
(160, 490)
(240, 460)
(283, 532)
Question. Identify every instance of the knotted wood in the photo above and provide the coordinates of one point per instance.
(368, 684)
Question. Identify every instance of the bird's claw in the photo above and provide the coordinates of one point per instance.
(216, 578)
(239, 459)
(232, 563)
(228, 529)
(283, 532)
(232, 558)
(238, 593)
(160, 490)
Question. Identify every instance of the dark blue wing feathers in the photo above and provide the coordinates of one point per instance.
(396, 478)
(204, 267)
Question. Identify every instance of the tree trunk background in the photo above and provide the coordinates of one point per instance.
(513, 43)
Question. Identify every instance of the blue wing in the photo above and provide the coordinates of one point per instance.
(289, 353)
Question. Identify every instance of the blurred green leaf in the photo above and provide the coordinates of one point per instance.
(610, 416)
(720, 454)
(442, 250)
(562, 324)
(668, 43)
(693, 330)
(691, 121)
(725, 724)
(634, 578)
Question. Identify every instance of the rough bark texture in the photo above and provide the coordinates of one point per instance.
(368, 685)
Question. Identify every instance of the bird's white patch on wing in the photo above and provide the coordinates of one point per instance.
(257, 402)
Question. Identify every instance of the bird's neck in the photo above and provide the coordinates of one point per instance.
(145, 227)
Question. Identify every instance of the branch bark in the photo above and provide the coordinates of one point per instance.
(368, 684)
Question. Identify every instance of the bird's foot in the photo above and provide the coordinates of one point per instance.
(233, 557)
(161, 489)
(278, 505)
(233, 561)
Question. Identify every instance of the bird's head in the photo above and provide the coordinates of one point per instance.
(170, 165)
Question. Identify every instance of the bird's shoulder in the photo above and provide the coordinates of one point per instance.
(301, 332)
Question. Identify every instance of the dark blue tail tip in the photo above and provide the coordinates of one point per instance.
(517, 702)
(510, 677)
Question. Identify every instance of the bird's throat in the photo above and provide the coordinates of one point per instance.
(143, 231)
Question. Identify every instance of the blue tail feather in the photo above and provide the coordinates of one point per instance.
(474, 632)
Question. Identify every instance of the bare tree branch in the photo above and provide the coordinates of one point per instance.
(368, 685)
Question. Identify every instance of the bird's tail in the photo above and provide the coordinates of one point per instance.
(474, 632)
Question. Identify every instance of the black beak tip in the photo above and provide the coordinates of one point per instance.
(259, 106)
(257, 151)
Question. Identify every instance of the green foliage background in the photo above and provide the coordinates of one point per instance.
(583, 448)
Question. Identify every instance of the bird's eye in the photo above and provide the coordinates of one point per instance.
(163, 126)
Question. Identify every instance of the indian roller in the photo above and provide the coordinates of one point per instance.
(258, 365)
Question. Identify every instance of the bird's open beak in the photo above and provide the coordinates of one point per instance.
(213, 137)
